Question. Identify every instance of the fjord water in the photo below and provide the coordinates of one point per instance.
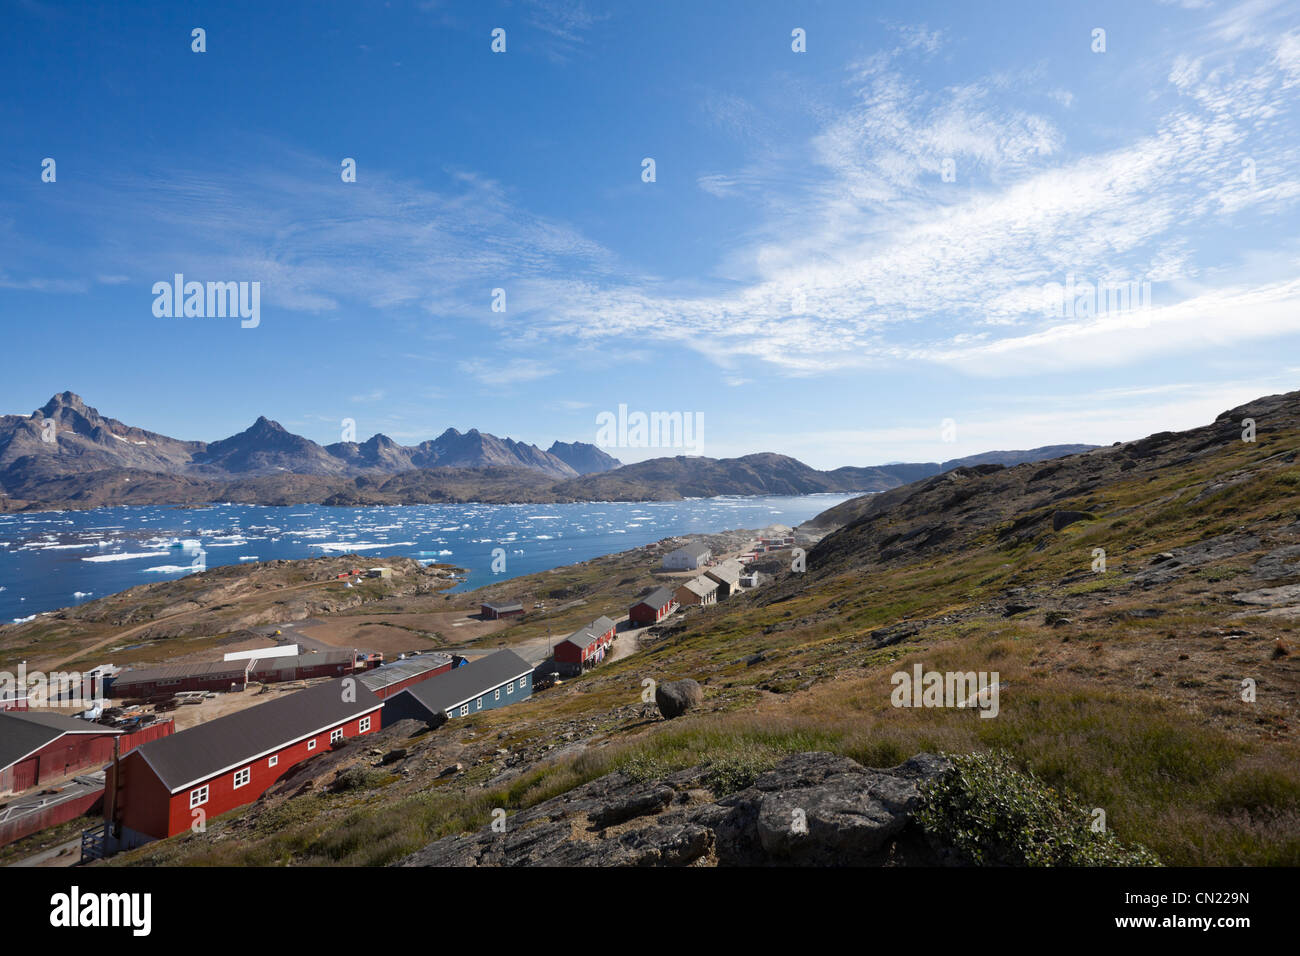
(51, 559)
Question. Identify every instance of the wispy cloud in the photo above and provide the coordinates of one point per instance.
(505, 372)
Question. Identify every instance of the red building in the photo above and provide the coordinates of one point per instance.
(492, 612)
(396, 676)
(38, 747)
(169, 679)
(653, 608)
(271, 670)
(587, 644)
(162, 788)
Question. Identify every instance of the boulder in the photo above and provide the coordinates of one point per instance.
(676, 697)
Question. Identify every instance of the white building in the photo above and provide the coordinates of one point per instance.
(689, 558)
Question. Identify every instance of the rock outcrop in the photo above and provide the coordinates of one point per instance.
(812, 809)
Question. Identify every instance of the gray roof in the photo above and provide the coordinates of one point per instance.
(394, 672)
(589, 632)
(210, 670)
(657, 598)
(499, 608)
(230, 742)
(694, 550)
(702, 586)
(24, 732)
(442, 692)
(728, 572)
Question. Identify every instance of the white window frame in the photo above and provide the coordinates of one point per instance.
(464, 710)
(336, 735)
(247, 773)
(522, 681)
(364, 725)
(198, 796)
(272, 760)
(449, 715)
(479, 705)
(498, 694)
(311, 744)
(510, 687)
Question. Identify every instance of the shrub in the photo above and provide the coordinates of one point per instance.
(361, 778)
(992, 813)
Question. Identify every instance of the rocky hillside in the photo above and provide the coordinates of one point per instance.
(1137, 607)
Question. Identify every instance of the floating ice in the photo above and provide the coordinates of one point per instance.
(126, 557)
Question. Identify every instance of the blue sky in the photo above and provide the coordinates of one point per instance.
(802, 272)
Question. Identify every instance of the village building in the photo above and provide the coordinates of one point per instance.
(653, 608)
(171, 678)
(379, 573)
(485, 684)
(687, 558)
(232, 675)
(395, 676)
(700, 591)
(586, 646)
(727, 575)
(160, 788)
(38, 747)
(272, 670)
(750, 580)
(492, 612)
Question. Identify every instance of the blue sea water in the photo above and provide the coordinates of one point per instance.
(50, 560)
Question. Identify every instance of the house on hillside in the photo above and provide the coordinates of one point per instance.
(485, 684)
(687, 558)
(586, 646)
(653, 608)
(699, 591)
(727, 574)
(162, 787)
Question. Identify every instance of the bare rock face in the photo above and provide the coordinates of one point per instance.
(676, 697)
(1063, 519)
(812, 809)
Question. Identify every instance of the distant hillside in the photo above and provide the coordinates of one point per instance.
(67, 455)
(582, 457)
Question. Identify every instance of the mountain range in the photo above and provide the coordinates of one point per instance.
(65, 454)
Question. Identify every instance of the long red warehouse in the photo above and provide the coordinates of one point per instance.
(165, 787)
(37, 747)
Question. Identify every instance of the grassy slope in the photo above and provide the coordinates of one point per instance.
(1138, 715)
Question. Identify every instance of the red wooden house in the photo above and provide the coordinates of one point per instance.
(162, 788)
(653, 608)
(586, 644)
